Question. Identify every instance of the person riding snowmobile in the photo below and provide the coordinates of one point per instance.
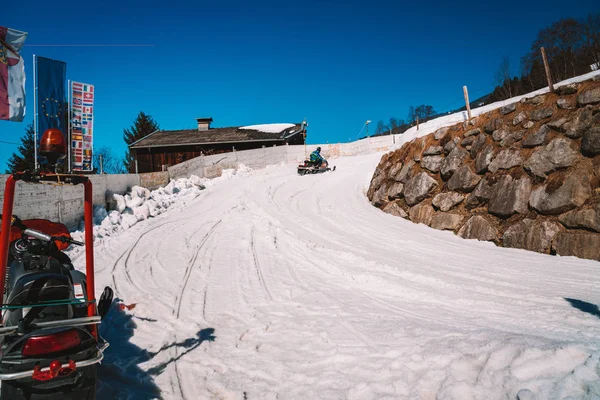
(317, 159)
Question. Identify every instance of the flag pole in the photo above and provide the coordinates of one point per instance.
(69, 143)
(35, 113)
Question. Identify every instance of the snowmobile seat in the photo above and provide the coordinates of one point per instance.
(36, 287)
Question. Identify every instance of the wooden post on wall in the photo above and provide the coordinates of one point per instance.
(417, 122)
(466, 93)
(547, 68)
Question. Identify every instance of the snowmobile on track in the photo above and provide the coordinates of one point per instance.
(49, 341)
(309, 167)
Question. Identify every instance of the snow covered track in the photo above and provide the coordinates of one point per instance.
(273, 285)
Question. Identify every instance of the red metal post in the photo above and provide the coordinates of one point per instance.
(7, 209)
(89, 251)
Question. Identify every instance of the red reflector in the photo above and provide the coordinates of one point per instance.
(38, 345)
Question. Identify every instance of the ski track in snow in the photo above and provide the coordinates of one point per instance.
(314, 293)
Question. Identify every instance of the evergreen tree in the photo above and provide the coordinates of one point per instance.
(25, 160)
(143, 125)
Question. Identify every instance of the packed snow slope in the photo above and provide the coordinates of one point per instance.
(270, 285)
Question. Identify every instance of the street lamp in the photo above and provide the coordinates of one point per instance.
(367, 124)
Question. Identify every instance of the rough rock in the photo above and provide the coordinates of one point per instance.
(528, 124)
(478, 227)
(541, 113)
(565, 104)
(406, 172)
(572, 193)
(376, 181)
(421, 214)
(395, 209)
(533, 235)
(508, 109)
(483, 159)
(509, 196)
(520, 117)
(432, 163)
(567, 89)
(467, 141)
(446, 221)
(557, 123)
(493, 125)
(480, 195)
(578, 244)
(537, 100)
(433, 151)
(567, 128)
(500, 134)
(380, 196)
(440, 133)
(446, 200)
(395, 190)
(583, 121)
(395, 169)
(590, 144)
(463, 179)
(417, 156)
(452, 162)
(418, 188)
(480, 141)
(450, 146)
(552, 157)
(513, 137)
(506, 159)
(582, 219)
(537, 138)
(472, 132)
(589, 96)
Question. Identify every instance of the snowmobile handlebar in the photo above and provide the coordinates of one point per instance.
(44, 237)
(48, 238)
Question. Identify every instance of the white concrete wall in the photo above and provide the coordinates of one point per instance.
(64, 203)
(213, 165)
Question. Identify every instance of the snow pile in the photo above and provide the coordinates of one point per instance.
(269, 128)
(241, 172)
(140, 204)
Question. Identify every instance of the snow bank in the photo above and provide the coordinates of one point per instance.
(270, 128)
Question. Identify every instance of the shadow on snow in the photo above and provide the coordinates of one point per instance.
(584, 306)
(119, 374)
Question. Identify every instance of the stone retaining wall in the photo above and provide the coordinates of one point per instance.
(526, 175)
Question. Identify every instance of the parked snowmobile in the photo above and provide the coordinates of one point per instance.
(49, 341)
(309, 167)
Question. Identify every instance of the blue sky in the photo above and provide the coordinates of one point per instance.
(334, 63)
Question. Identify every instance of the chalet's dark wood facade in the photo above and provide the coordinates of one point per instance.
(165, 148)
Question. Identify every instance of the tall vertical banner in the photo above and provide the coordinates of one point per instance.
(51, 102)
(82, 125)
(12, 75)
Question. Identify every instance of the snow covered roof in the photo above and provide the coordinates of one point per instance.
(250, 133)
(270, 128)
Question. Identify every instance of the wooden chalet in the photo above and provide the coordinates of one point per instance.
(161, 149)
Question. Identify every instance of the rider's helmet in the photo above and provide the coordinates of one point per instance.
(318, 149)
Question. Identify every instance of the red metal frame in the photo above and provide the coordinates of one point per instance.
(9, 195)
